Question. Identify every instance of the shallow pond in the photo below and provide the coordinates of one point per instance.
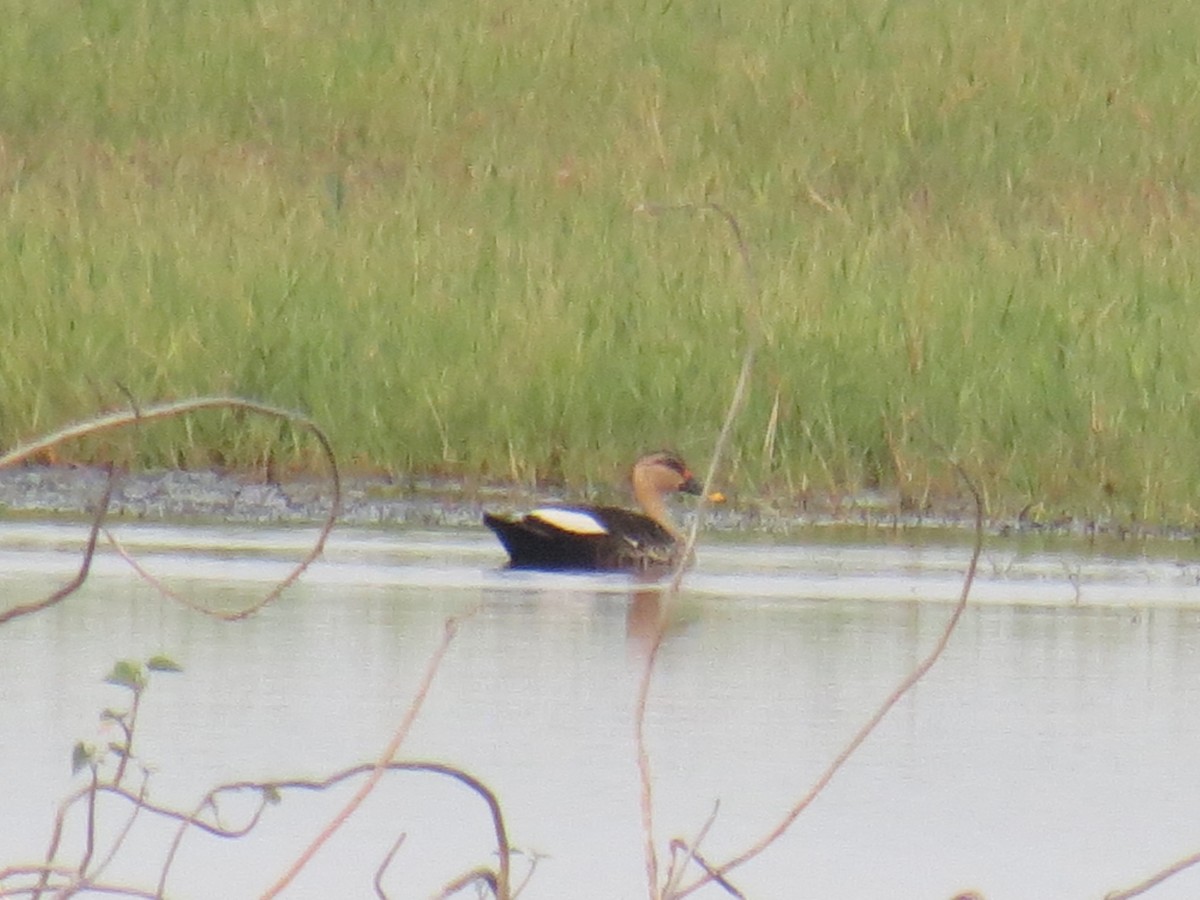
(1049, 754)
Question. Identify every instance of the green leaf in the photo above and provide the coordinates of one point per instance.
(81, 756)
(127, 674)
(161, 663)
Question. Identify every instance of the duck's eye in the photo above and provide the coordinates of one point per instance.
(676, 465)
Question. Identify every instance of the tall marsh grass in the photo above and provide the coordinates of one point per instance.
(977, 228)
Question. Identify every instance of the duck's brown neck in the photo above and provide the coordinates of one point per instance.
(653, 504)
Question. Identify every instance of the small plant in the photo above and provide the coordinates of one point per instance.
(86, 871)
(66, 871)
(135, 677)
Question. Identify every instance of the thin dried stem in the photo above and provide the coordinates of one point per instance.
(645, 776)
(1154, 880)
(89, 793)
(487, 876)
(690, 851)
(123, 834)
(138, 417)
(68, 886)
(89, 833)
(385, 758)
(872, 723)
(85, 565)
(743, 381)
(43, 874)
(60, 820)
(718, 879)
(736, 403)
(159, 585)
(384, 863)
(265, 790)
(533, 864)
(193, 820)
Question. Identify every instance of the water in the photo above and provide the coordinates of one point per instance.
(1049, 754)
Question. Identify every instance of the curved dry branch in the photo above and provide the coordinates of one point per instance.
(269, 788)
(534, 858)
(154, 581)
(382, 868)
(690, 853)
(124, 832)
(913, 677)
(43, 874)
(140, 416)
(1154, 880)
(487, 876)
(266, 791)
(383, 764)
(88, 793)
(85, 565)
(64, 883)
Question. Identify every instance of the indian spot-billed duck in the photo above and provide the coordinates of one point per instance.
(603, 537)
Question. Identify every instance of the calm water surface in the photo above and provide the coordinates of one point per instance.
(1051, 753)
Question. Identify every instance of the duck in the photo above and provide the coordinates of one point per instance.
(598, 538)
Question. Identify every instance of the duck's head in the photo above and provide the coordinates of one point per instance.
(665, 472)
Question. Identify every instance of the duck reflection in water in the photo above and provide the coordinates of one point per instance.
(645, 622)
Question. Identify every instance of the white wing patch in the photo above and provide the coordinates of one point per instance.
(572, 520)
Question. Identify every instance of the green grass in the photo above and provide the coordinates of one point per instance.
(976, 226)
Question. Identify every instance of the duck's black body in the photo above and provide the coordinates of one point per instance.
(603, 537)
(629, 541)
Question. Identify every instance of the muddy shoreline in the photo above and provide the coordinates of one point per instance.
(210, 496)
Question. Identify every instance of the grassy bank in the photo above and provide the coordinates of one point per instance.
(977, 227)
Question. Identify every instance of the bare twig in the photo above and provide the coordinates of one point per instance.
(678, 846)
(139, 803)
(43, 874)
(743, 380)
(534, 857)
(265, 790)
(84, 566)
(384, 863)
(138, 417)
(735, 405)
(690, 851)
(157, 583)
(56, 835)
(65, 884)
(1154, 880)
(90, 829)
(487, 876)
(123, 834)
(89, 793)
(381, 765)
(646, 794)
